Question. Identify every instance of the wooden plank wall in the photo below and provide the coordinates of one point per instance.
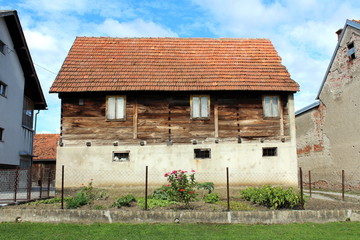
(163, 117)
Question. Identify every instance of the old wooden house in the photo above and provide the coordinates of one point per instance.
(328, 130)
(176, 103)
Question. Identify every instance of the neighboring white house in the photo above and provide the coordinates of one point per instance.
(20, 94)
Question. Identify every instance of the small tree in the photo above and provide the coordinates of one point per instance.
(181, 186)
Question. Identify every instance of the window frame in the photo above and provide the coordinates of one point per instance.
(271, 105)
(27, 120)
(3, 89)
(123, 118)
(202, 150)
(351, 51)
(120, 152)
(200, 107)
(267, 152)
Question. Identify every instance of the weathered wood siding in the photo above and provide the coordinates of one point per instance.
(160, 117)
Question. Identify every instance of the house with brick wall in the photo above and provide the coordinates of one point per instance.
(175, 103)
(328, 131)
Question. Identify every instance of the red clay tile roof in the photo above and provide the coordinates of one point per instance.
(358, 21)
(172, 64)
(45, 146)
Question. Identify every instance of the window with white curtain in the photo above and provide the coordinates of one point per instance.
(271, 106)
(200, 107)
(115, 108)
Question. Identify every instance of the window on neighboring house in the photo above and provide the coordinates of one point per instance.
(3, 89)
(2, 47)
(1, 134)
(28, 112)
(202, 153)
(269, 152)
(200, 107)
(121, 156)
(271, 106)
(116, 107)
(351, 50)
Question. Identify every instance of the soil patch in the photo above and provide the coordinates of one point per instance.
(235, 205)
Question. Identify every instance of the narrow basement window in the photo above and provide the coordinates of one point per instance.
(270, 152)
(3, 89)
(202, 153)
(2, 47)
(351, 51)
(121, 156)
(1, 134)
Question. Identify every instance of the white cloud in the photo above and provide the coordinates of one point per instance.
(39, 41)
(303, 32)
(136, 28)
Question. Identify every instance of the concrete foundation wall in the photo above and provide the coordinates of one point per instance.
(244, 217)
(246, 164)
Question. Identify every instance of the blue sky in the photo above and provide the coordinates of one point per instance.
(303, 32)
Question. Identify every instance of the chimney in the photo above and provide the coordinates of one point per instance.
(338, 32)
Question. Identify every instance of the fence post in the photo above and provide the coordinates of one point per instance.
(343, 184)
(48, 184)
(29, 186)
(146, 188)
(227, 189)
(16, 183)
(301, 189)
(41, 182)
(62, 187)
(310, 182)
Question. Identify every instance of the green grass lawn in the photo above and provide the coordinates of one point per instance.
(38, 231)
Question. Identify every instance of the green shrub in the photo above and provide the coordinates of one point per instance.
(124, 201)
(272, 197)
(161, 194)
(79, 200)
(83, 197)
(212, 198)
(181, 186)
(153, 203)
(209, 186)
(101, 194)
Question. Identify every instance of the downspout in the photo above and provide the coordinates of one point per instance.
(32, 150)
(36, 121)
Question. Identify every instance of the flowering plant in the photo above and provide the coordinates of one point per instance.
(181, 186)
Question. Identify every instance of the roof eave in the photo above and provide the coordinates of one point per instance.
(347, 23)
(22, 50)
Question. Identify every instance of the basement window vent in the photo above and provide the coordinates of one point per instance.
(269, 152)
(121, 156)
(351, 51)
(202, 153)
(1, 134)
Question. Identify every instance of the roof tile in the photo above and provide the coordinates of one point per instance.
(172, 64)
(45, 146)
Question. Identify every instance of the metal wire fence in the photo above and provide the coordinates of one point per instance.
(122, 182)
(17, 185)
(334, 180)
